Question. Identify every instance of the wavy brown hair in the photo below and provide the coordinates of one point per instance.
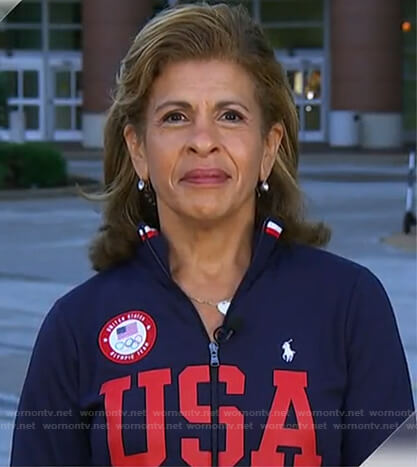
(195, 32)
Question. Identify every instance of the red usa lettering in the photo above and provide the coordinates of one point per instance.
(290, 389)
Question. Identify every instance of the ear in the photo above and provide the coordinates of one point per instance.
(272, 143)
(136, 151)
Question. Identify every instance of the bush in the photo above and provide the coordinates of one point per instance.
(26, 165)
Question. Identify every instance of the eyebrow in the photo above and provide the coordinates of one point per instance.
(187, 105)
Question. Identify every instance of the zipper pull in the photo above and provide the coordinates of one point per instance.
(214, 354)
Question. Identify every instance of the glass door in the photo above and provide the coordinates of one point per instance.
(67, 101)
(22, 79)
(306, 81)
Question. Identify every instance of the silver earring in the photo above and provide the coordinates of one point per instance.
(141, 185)
(264, 186)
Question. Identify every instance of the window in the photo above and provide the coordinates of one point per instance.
(31, 117)
(63, 39)
(291, 10)
(25, 12)
(65, 25)
(22, 93)
(78, 117)
(63, 117)
(63, 84)
(78, 84)
(9, 78)
(312, 117)
(22, 28)
(295, 38)
(27, 39)
(288, 24)
(30, 83)
(65, 12)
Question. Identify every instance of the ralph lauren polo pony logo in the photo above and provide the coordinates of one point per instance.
(288, 353)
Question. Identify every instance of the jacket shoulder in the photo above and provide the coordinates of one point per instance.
(311, 256)
(322, 266)
(103, 287)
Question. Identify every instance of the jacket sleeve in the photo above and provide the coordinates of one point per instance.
(378, 397)
(49, 429)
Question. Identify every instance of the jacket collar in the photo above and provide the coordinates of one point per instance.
(153, 249)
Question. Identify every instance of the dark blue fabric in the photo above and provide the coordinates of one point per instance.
(335, 312)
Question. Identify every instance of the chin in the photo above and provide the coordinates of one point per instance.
(207, 214)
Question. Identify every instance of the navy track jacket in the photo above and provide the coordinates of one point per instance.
(309, 368)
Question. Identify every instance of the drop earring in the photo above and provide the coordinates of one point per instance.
(141, 185)
(264, 186)
(145, 187)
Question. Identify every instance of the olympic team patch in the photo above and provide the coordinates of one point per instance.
(128, 337)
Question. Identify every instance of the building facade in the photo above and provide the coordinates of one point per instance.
(351, 65)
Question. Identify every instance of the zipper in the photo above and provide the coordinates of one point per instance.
(213, 346)
(214, 366)
(214, 379)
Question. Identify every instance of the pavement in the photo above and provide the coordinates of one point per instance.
(44, 242)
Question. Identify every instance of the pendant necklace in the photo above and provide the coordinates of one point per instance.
(221, 306)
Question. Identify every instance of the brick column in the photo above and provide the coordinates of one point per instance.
(365, 44)
(108, 30)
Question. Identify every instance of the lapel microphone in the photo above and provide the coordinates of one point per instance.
(224, 332)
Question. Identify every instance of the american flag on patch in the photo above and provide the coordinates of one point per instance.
(273, 229)
(127, 330)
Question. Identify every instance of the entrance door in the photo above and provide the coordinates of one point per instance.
(66, 101)
(306, 80)
(23, 79)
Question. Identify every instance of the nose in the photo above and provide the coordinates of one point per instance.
(203, 138)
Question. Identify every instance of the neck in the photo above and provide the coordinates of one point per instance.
(207, 252)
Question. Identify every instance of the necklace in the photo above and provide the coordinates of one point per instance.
(221, 306)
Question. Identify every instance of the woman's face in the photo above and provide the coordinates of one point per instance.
(203, 150)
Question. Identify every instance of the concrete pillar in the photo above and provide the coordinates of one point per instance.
(365, 44)
(108, 30)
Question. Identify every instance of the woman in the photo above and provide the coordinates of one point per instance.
(216, 332)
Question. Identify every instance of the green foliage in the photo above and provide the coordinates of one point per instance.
(27, 165)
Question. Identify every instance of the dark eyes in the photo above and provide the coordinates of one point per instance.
(169, 118)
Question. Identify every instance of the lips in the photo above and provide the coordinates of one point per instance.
(205, 176)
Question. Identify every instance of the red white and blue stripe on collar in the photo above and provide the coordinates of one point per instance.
(270, 227)
(145, 232)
